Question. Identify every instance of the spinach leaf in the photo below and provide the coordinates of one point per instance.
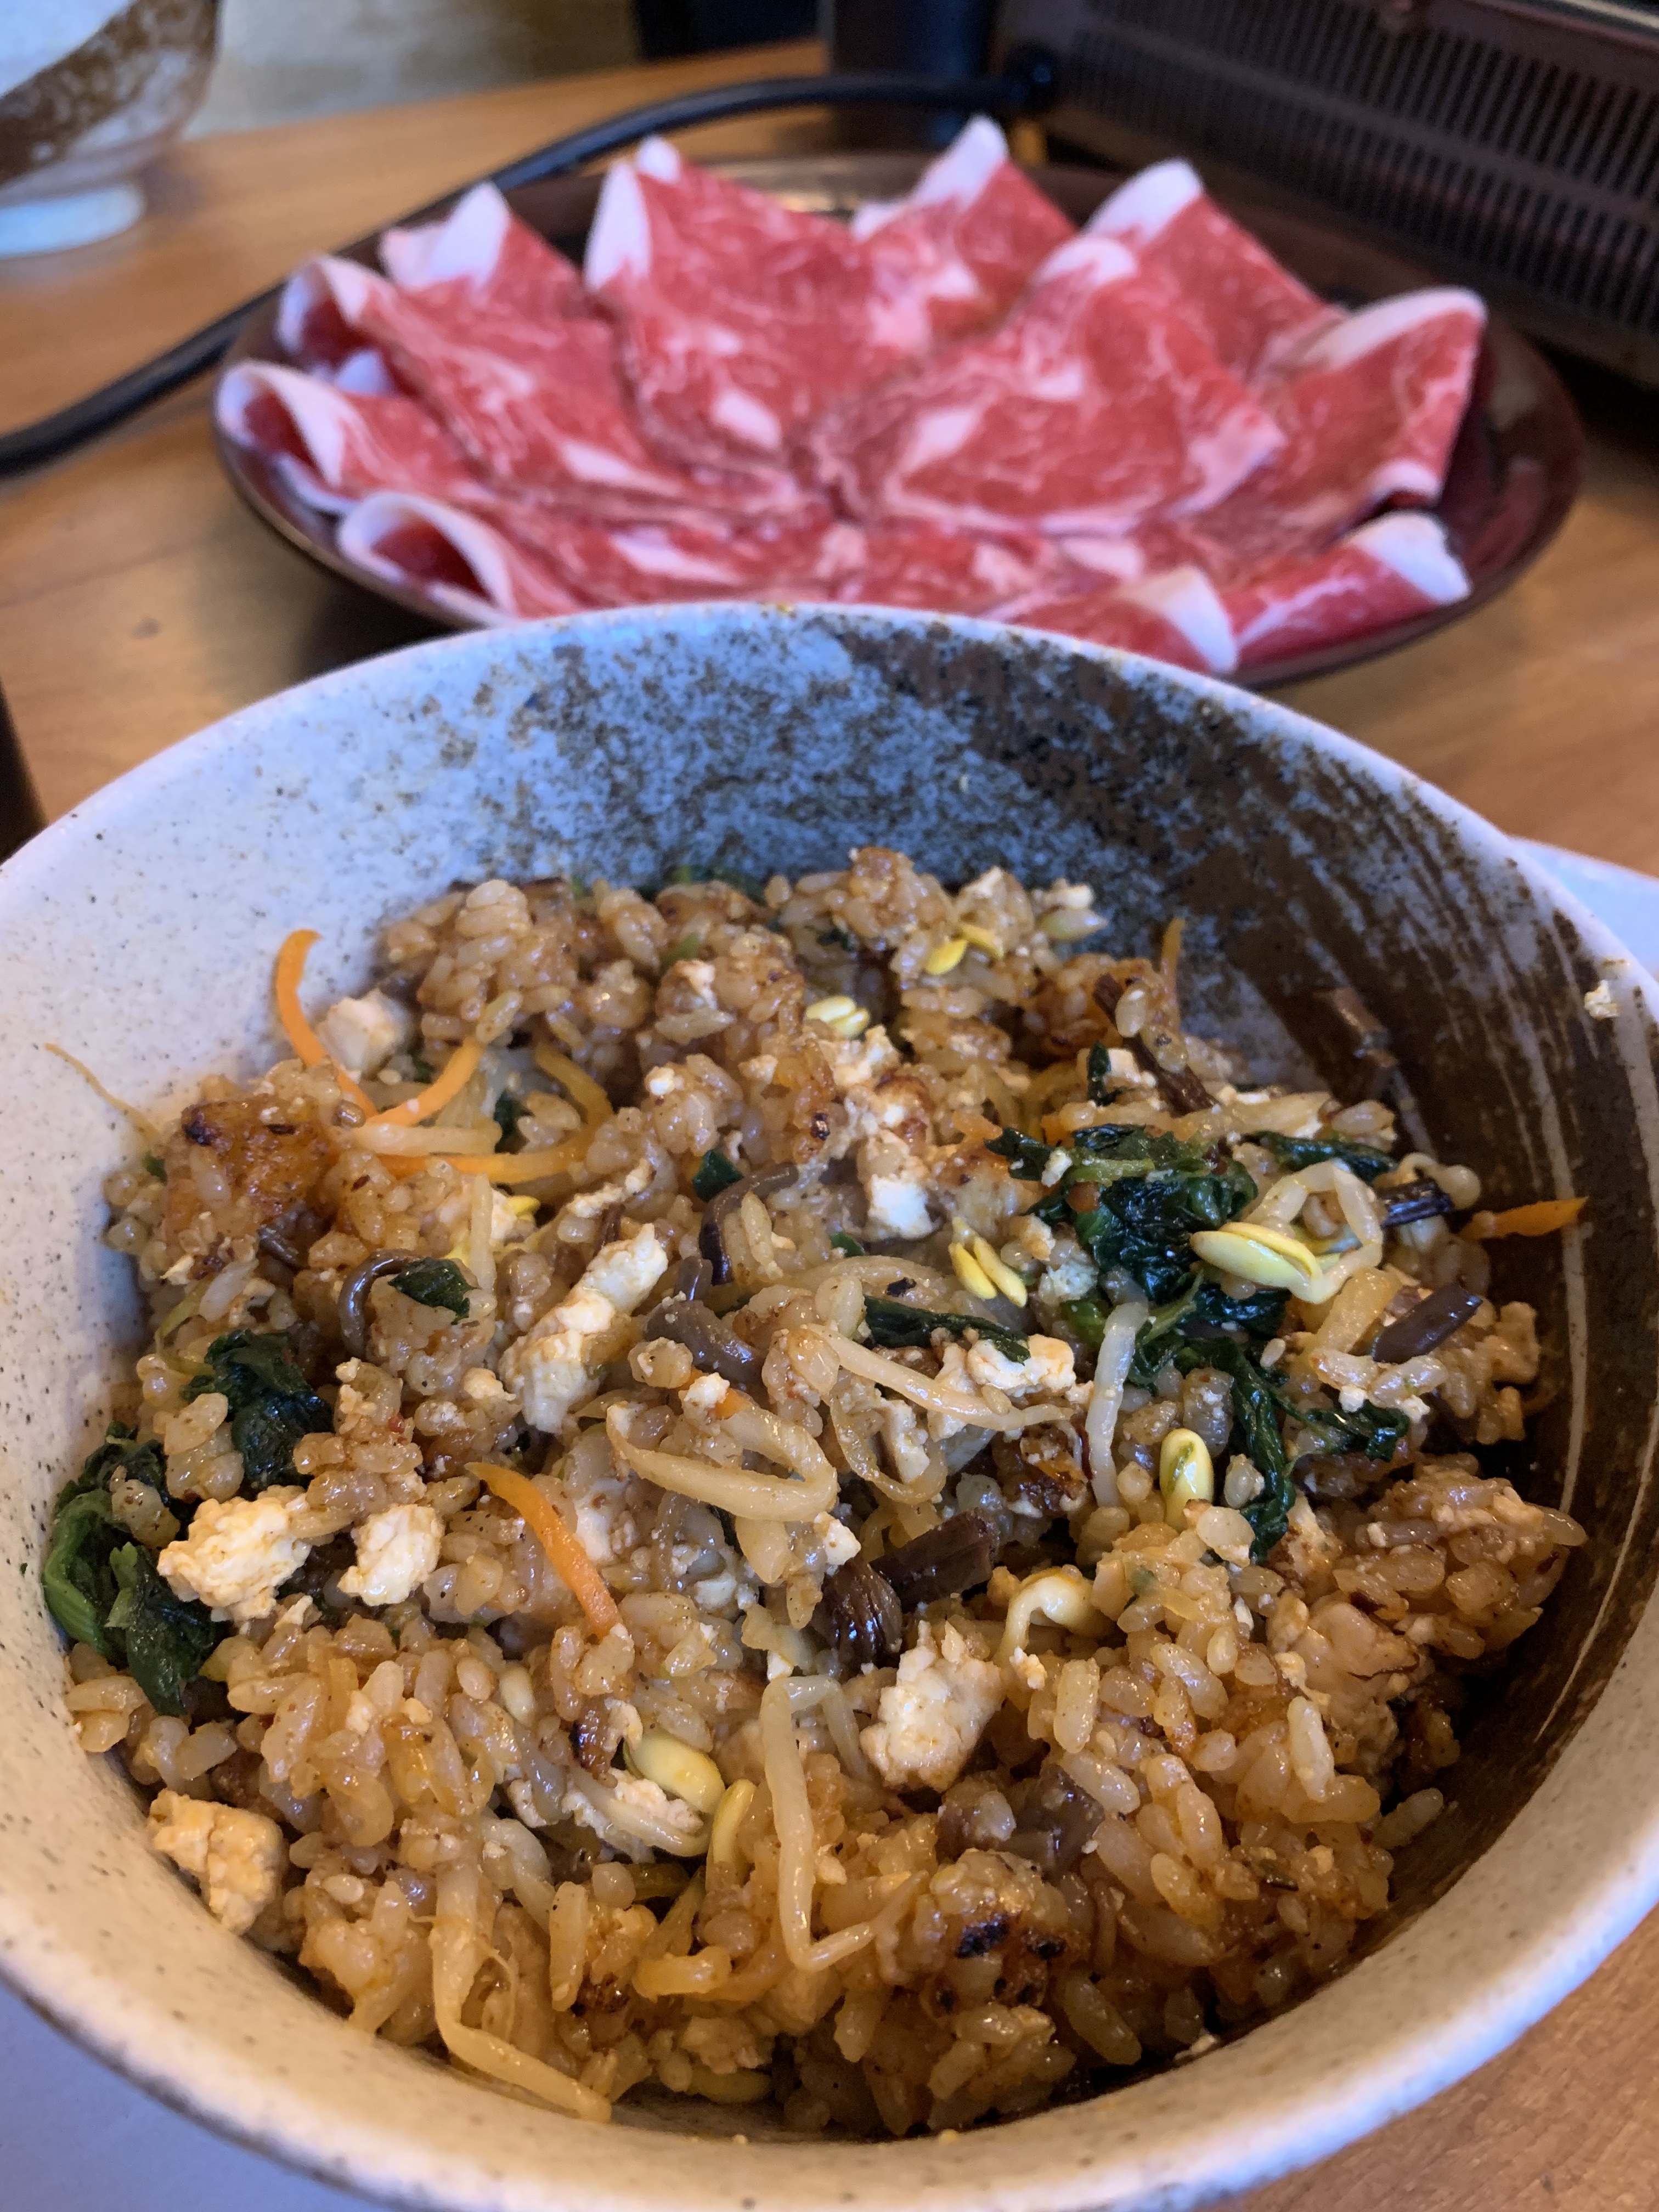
(1374, 1430)
(157, 1166)
(1160, 1191)
(421, 1067)
(1103, 1086)
(1026, 1157)
(1256, 1415)
(843, 1242)
(715, 1173)
(1294, 1152)
(837, 935)
(1201, 1313)
(1086, 1319)
(897, 1326)
(507, 1113)
(1258, 1403)
(271, 1404)
(75, 1575)
(435, 1283)
(166, 1638)
(682, 948)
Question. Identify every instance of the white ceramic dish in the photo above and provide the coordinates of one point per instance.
(138, 933)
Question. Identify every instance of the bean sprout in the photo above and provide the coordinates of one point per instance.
(792, 1814)
(458, 1951)
(750, 1495)
(928, 1392)
(1112, 1363)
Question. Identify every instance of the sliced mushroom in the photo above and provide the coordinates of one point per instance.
(861, 1616)
(1183, 1093)
(958, 1555)
(711, 1241)
(717, 1349)
(1056, 1822)
(1415, 1201)
(1352, 1036)
(1429, 1324)
(354, 1297)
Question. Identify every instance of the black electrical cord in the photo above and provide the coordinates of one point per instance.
(1027, 85)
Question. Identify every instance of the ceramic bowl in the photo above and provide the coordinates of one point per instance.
(91, 93)
(138, 933)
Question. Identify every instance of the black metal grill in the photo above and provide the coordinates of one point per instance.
(1517, 150)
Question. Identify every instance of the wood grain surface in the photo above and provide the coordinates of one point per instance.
(138, 601)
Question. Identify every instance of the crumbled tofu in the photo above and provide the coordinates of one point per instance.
(549, 1368)
(857, 1062)
(1069, 1274)
(510, 1217)
(1600, 1003)
(839, 1542)
(362, 1034)
(694, 986)
(237, 1858)
(396, 1550)
(905, 1434)
(575, 1218)
(238, 1553)
(1029, 1239)
(1048, 1366)
(705, 1395)
(639, 1795)
(895, 1182)
(479, 1387)
(1058, 1164)
(604, 1530)
(929, 1721)
(1127, 1069)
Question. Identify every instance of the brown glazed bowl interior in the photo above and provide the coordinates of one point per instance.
(138, 933)
(1514, 472)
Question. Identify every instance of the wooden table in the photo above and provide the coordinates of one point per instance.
(138, 600)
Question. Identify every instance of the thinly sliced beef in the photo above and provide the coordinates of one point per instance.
(629, 565)
(958, 250)
(1148, 436)
(1384, 572)
(1091, 408)
(334, 444)
(741, 319)
(922, 564)
(1371, 411)
(482, 259)
(1176, 617)
(538, 406)
(1249, 310)
(455, 559)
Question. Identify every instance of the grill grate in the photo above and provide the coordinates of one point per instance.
(1517, 153)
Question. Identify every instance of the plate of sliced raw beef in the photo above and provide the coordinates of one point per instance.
(1109, 407)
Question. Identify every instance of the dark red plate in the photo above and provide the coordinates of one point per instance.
(1515, 471)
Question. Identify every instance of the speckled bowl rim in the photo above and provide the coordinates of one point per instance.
(1293, 2090)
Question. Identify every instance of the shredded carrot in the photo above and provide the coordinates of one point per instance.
(565, 1554)
(595, 1106)
(1542, 1219)
(458, 1072)
(307, 1045)
(520, 1167)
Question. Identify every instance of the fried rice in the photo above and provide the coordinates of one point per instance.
(790, 1494)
